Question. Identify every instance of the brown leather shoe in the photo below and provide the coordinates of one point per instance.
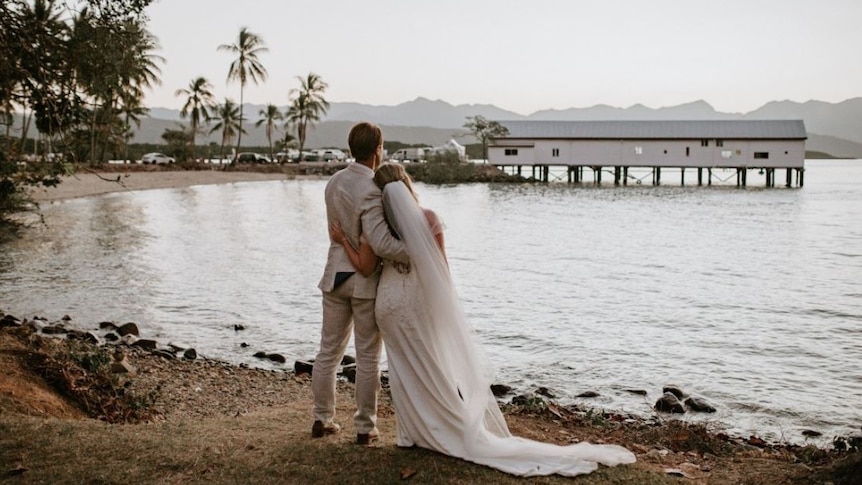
(319, 430)
(367, 438)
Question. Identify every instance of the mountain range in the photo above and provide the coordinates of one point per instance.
(834, 128)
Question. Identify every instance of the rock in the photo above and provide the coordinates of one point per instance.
(237, 327)
(500, 390)
(347, 360)
(699, 405)
(523, 399)
(145, 344)
(9, 321)
(165, 354)
(588, 394)
(190, 354)
(276, 358)
(544, 391)
(302, 367)
(260, 354)
(349, 371)
(66, 318)
(810, 433)
(669, 403)
(111, 337)
(243, 345)
(128, 329)
(639, 392)
(88, 337)
(54, 330)
(675, 390)
(107, 325)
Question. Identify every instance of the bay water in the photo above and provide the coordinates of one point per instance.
(750, 298)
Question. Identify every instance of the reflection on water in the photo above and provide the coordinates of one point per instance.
(748, 298)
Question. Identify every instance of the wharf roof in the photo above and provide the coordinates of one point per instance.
(658, 129)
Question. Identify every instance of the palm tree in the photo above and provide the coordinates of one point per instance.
(308, 106)
(269, 116)
(227, 118)
(246, 66)
(199, 102)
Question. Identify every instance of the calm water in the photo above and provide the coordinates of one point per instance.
(750, 298)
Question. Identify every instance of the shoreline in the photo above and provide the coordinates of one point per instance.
(90, 184)
(52, 391)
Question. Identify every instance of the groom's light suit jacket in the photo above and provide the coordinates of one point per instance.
(355, 202)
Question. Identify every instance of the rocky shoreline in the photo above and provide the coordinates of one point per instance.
(120, 340)
(133, 380)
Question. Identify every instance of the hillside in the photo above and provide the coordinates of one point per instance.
(833, 128)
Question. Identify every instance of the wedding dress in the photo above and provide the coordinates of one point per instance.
(437, 372)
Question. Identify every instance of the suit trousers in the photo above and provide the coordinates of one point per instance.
(341, 314)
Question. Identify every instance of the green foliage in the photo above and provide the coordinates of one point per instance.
(77, 71)
(443, 168)
(484, 129)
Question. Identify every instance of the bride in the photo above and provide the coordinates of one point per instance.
(437, 374)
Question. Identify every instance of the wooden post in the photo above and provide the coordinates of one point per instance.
(682, 176)
(617, 171)
(546, 169)
(699, 176)
(744, 176)
(709, 174)
(598, 174)
(625, 175)
(658, 175)
(789, 178)
(577, 174)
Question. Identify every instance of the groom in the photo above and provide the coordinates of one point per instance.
(354, 203)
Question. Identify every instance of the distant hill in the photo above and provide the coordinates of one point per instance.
(833, 128)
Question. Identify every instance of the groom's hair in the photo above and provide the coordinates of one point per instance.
(363, 140)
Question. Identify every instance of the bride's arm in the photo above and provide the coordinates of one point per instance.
(436, 229)
(363, 259)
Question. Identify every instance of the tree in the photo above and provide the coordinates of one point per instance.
(199, 102)
(67, 66)
(269, 116)
(307, 107)
(483, 130)
(227, 117)
(246, 66)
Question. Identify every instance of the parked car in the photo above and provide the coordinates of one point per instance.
(289, 156)
(157, 158)
(331, 154)
(250, 157)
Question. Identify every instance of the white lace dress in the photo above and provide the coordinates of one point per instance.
(437, 373)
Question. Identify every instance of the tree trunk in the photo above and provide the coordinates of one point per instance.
(239, 138)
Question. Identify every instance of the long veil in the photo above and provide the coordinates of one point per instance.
(465, 377)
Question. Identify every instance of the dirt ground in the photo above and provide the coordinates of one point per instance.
(201, 421)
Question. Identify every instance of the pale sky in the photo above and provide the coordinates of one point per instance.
(524, 55)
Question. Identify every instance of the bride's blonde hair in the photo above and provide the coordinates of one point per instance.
(393, 172)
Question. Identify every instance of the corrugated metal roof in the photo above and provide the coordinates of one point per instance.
(705, 129)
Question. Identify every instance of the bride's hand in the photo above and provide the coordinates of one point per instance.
(336, 233)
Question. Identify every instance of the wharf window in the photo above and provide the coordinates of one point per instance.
(726, 154)
(719, 143)
(704, 143)
(639, 150)
(762, 155)
(555, 152)
(687, 151)
(511, 152)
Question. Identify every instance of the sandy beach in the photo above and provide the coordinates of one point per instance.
(89, 183)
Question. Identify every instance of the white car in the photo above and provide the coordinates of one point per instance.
(157, 158)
